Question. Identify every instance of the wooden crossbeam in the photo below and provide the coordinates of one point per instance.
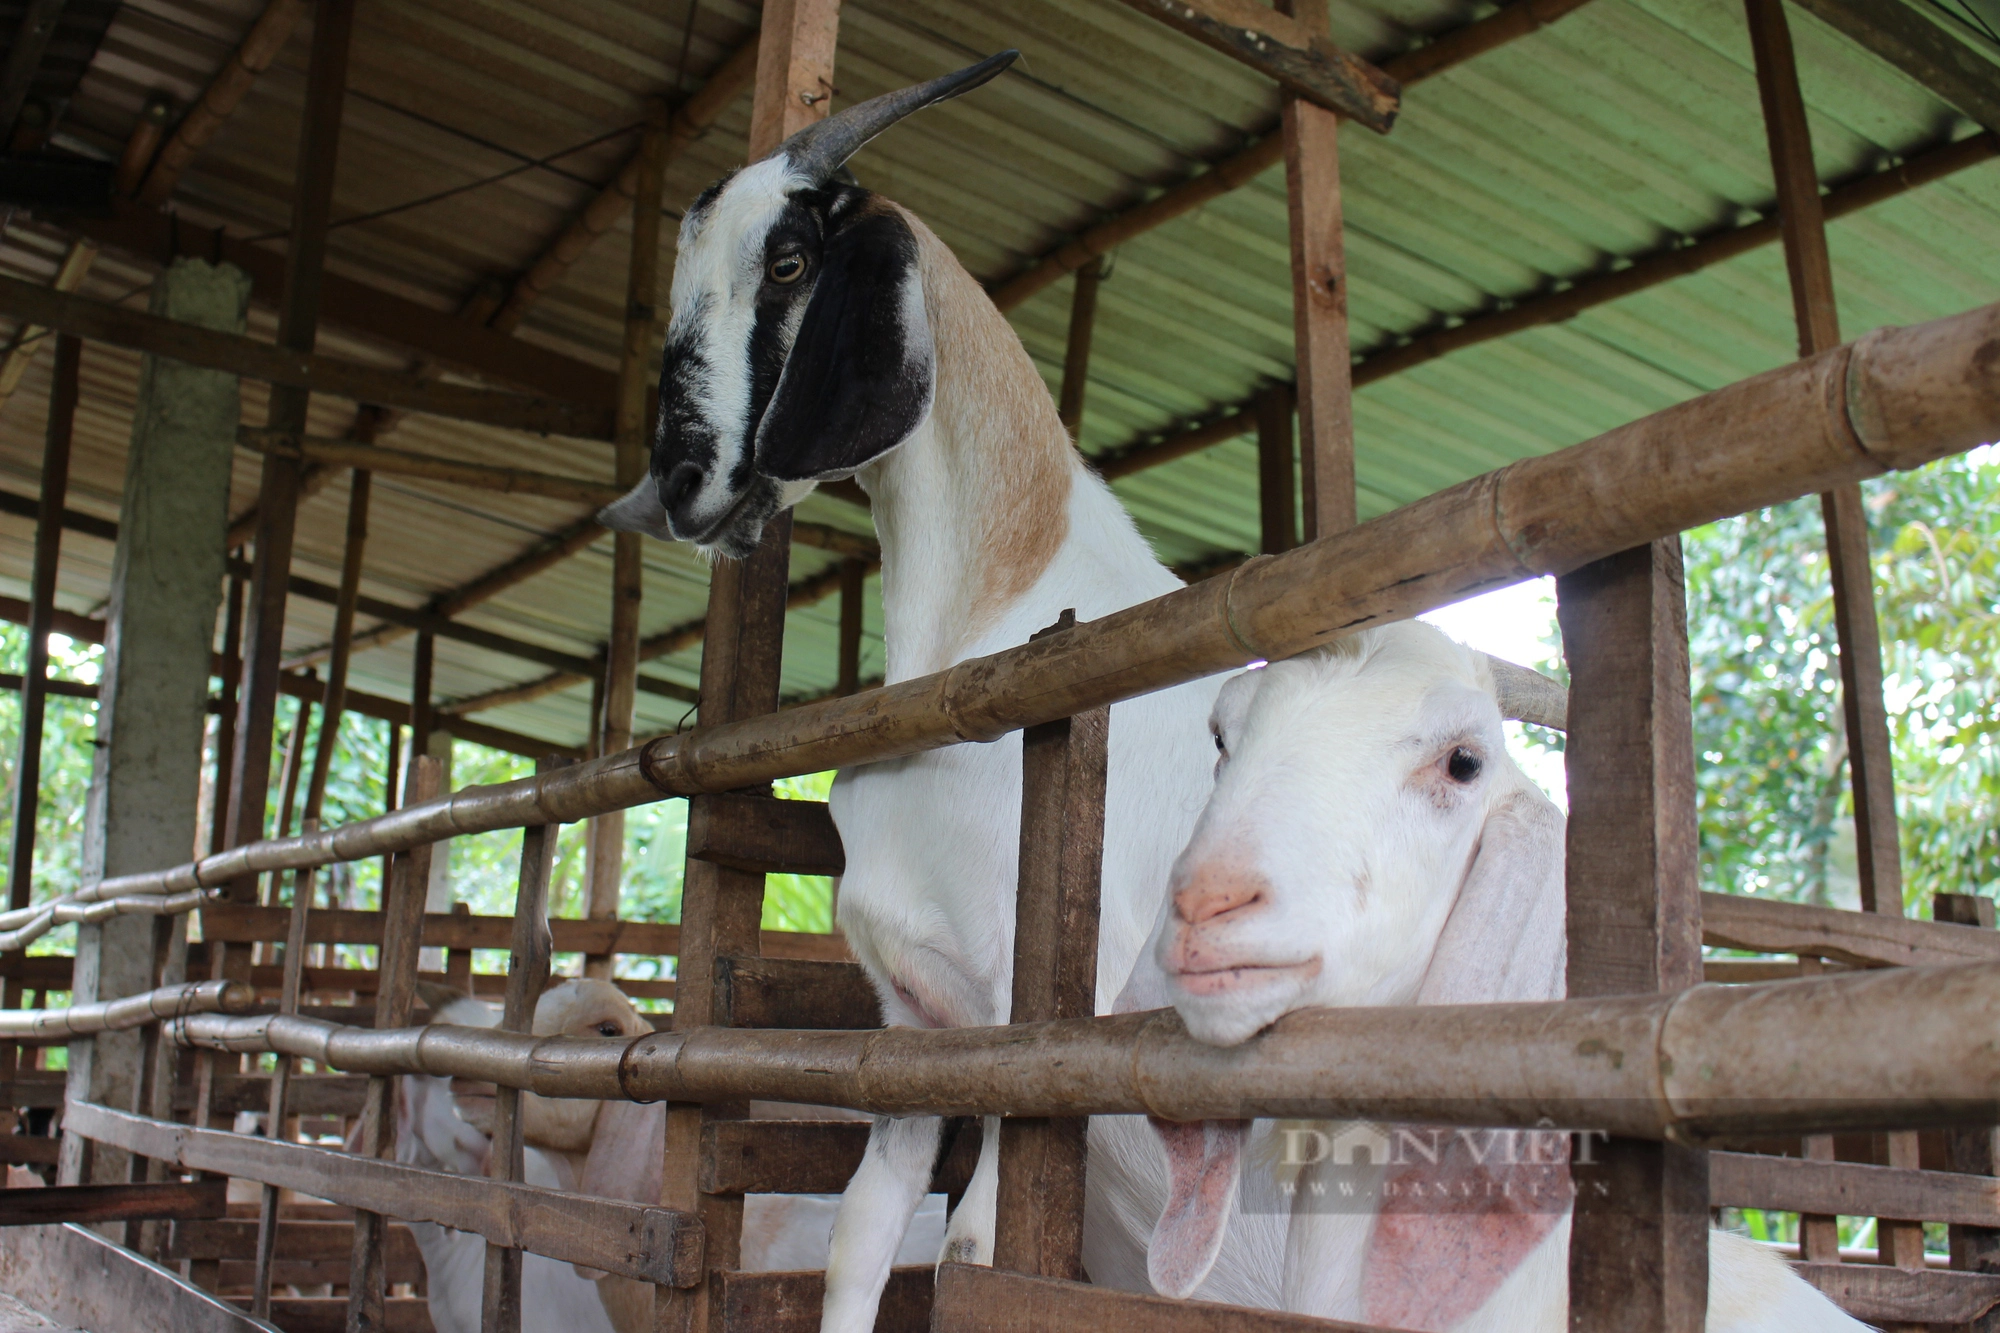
(1641, 272)
(1853, 1189)
(790, 1302)
(1302, 60)
(765, 834)
(808, 1157)
(239, 73)
(431, 467)
(113, 1203)
(1925, 51)
(137, 330)
(993, 1300)
(1904, 1296)
(240, 923)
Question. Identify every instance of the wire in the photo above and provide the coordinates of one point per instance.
(481, 183)
(1970, 18)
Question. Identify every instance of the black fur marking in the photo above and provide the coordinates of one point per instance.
(850, 388)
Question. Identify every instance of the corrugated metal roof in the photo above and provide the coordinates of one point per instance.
(1617, 130)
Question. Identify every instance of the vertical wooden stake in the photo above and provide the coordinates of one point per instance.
(422, 717)
(225, 726)
(1277, 501)
(1076, 357)
(395, 996)
(621, 667)
(1039, 1217)
(853, 582)
(527, 974)
(281, 1079)
(34, 686)
(1638, 1258)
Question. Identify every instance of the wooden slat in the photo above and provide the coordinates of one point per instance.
(1039, 1211)
(653, 1244)
(1859, 939)
(112, 1203)
(1638, 1256)
(795, 993)
(992, 1300)
(99, 321)
(1852, 1189)
(807, 1157)
(1301, 58)
(29, 1149)
(1904, 1296)
(790, 1302)
(328, 1314)
(235, 923)
(309, 1241)
(74, 1275)
(765, 835)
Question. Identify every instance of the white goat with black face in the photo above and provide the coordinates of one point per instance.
(1370, 842)
(820, 331)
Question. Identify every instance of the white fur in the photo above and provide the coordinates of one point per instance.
(1377, 883)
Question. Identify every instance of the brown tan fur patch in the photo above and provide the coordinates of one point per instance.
(985, 379)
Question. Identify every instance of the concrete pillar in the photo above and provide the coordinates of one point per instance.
(166, 585)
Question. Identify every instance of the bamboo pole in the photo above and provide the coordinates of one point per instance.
(267, 37)
(163, 1004)
(1707, 1062)
(1896, 399)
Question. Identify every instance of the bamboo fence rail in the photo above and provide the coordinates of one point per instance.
(167, 1003)
(1895, 399)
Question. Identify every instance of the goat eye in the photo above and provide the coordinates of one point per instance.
(607, 1029)
(787, 269)
(1220, 748)
(1463, 765)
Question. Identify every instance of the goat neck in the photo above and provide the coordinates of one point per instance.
(974, 508)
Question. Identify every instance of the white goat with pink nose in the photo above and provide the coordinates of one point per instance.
(1370, 842)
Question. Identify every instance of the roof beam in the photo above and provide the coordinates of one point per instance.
(28, 338)
(1645, 270)
(358, 307)
(1901, 35)
(100, 321)
(24, 58)
(267, 37)
(1412, 67)
(690, 122)
(1283, 48)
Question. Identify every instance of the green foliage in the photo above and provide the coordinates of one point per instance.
(1775, 807)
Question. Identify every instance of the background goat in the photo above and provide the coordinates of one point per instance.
(1370, 842)
(820, 331)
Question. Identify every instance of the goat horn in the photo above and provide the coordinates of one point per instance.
(1526, 695)
(820, 149)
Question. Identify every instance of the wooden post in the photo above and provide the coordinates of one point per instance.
(621, 660)
(34, 684)
(277, 501)
(721, 908)
(1319, 303)
(1039, 1218)
(334, 701)
(1277, 501)
(1639, 1247)
(392, 794)
(1076, 358)
(1870, 768)
(422, 716)
(395, 996)
(527, 973)
(853, 582)
(281, 1079)
(1973, 1150)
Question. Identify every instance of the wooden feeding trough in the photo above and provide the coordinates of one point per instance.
(1892, 1115)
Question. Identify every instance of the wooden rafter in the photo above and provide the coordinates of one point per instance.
(1447, 52)
(1901, 35)
(1645, 270)
(225, 92)
(28, 338)
(1300, 56)
(100, 321)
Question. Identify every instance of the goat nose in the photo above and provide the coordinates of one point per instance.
(1213, 890)
(678, 486)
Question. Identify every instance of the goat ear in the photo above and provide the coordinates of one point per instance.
(624, 1158)
(638, 510)
(1204, 1162)
(859, 377)
(1504, 939)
